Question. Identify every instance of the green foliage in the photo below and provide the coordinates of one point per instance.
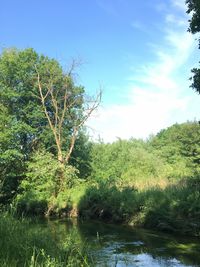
(24, 128)
(20, 94)
(173, 209)
(194, 27)
(194, 8)
(144, 165)
(179, 145)
(46, 183)
(81, 156)
(136, 181)
(106, 202)
(121, 159)
(147, 183)
(11, 159)
(25, 244)
(196, 79)
(172, 154)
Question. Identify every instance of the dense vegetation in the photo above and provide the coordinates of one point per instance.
(49, 167)
(42, 115)
(154, 183)
(24, 243)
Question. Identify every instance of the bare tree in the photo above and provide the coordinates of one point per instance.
(65, 107)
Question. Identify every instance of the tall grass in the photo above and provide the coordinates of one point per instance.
(173, 208)
(23, 244)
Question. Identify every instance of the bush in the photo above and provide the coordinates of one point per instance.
(105, 201)
(46, 184)
(175, 208)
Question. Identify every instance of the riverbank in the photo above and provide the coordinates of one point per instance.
(53, 243)
(174, 208)
(24, 244)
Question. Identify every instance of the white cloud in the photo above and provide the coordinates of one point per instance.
(160, 74)
(170, 18)
(147, 113)
(179, 4)
(156, 96)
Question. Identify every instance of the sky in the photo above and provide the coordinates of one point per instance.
(138, 52)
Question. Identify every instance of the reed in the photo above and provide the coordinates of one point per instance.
(23, 243)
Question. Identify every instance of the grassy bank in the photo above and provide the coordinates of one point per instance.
(23, 244)
(175, 208)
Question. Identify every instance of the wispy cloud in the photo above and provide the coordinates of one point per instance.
(179, 4)
(156, 97)
(137, 25)
(160, 73)
(178, 21)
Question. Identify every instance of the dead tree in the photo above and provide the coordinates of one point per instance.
(64, 107)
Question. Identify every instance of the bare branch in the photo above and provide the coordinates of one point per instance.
(74, 65)
(53, 128)
(71, 147)
(62, 107)
(55, 105)
(76, 128)
(94, 106)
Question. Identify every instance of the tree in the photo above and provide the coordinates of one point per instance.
(125, 162)
(41, 108)
(11, 159)
(179, 145)
(40, 192)
(194, 27)
(64, 106)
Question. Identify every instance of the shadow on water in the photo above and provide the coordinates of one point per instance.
(160, 209)
(113, 245)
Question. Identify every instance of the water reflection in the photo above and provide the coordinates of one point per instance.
(120, 246)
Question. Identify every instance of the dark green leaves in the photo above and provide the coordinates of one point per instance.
(194, 27)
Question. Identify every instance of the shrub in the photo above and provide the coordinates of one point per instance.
(46, 184)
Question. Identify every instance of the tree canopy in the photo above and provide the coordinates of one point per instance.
(41, 109)
(194, 27)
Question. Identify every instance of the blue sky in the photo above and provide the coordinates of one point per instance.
(139, 52)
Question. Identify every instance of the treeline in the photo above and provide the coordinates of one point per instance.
(174, 153)
(153, 183)
(50, 167)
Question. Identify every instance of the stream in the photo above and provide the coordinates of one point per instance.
(115, 245)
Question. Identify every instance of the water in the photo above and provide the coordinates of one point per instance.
(113, 245)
